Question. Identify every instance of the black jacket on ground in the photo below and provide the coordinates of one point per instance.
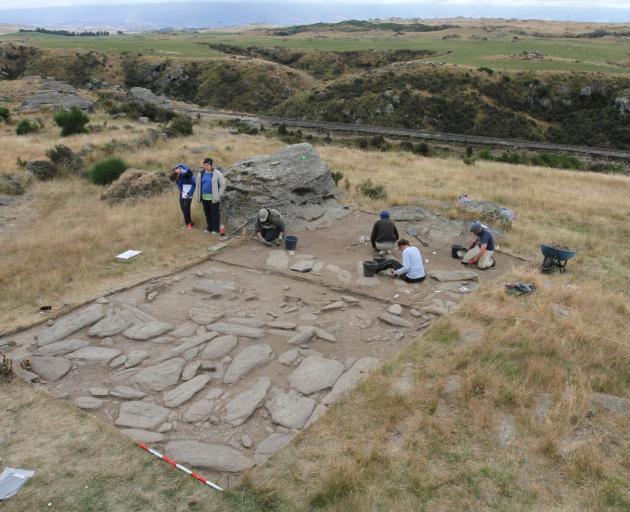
(384, 230)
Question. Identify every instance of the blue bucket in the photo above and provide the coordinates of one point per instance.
(290, 242)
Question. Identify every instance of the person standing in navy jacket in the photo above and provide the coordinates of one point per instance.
(185, 181)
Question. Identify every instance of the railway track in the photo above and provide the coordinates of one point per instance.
(452, 138)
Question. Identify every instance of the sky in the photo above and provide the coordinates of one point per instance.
(568, 4)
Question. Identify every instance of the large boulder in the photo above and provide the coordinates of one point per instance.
(488, 211)
(623, 105)
(293, 181)
(142, 96)
(137, 184)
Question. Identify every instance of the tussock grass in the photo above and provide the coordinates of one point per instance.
(82, 464)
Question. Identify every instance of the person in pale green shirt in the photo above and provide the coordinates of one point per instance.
(210, 188)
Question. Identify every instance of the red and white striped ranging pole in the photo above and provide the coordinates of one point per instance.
(179, 466)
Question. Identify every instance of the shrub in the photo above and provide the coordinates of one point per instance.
(13, 185)
(368, 189)
(406, 146)
(379, 142)
(26, 126)
(106, 171)
(485, 69)
(180, 125)
(511, 158)
(64, 158)
(6, 369)
(557, 161)
(71, 121)
(5, 115)
(422, 148)
(485, 154)
(42, 169)
(336, 176)
(282, 129)
(608, 167)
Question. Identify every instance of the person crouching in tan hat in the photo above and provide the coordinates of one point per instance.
(270, 226)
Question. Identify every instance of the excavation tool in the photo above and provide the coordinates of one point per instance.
(179, 466)
(237, 229)
(414, 233)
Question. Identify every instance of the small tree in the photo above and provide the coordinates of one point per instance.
(26, 126)
(336, 176)
(180, 125)
(5, 115)
(64, 158)
(106, 171)
(370, 190)
(71, 121)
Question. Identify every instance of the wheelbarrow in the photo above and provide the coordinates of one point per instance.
(555, 258)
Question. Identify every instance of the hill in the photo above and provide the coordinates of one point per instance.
(507, 403)
(409, 85)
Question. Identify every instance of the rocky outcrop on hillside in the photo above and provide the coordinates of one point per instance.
(53, 94)
(248, 85)
(14, 60)
(295, 181)
(142, 96)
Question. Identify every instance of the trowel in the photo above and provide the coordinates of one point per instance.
(414, 233)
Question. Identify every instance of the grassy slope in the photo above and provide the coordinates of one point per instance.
(590, 55)
(84, 233)
(380, 450)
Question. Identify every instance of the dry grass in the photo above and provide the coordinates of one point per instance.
(379, 450)
(72, 235)
(579, 209)
(83, 465)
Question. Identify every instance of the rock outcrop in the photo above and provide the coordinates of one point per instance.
(56, 95)
(142, 96)
(295, 181)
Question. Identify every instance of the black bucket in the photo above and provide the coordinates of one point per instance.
(369, 268)
(458, 251)
(290, 242)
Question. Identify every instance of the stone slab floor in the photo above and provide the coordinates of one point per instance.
(223, 364)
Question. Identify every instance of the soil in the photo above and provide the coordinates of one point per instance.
(260, 286)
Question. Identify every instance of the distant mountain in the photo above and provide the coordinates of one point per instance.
(201, 14)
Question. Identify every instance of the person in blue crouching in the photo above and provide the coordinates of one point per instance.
(411, 270)
(185, 181)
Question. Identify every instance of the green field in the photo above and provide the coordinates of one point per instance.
(607, 55)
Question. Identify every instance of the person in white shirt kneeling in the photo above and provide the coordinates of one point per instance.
(411, 270)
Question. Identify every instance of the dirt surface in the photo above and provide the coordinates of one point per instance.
(338, 253)
(251, 286)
